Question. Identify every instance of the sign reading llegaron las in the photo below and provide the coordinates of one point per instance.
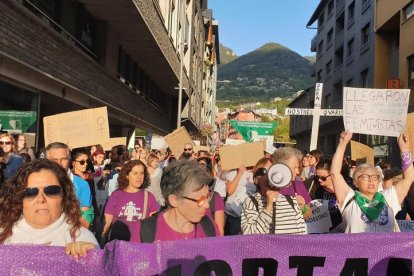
(375, 111)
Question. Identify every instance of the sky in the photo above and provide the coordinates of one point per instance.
(245, 25)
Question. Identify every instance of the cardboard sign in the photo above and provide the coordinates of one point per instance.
(112, 142)
(375, 111)
(230, 141)
(177, 139)
(320, 221)
(409, 130)
(406, 225)
(247, 154)
(198, 148)
(158, 143)
(362, 153)
(78, 128)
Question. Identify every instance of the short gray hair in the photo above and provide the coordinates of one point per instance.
(362, 168)
(56, 145)
(283, 155)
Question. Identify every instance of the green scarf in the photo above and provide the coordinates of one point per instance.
(373, 208)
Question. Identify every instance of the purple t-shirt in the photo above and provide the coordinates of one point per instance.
(218, 204)
(128, 208)
(166, 233)
(296, 187)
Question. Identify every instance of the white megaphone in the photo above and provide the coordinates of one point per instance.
(279, 175)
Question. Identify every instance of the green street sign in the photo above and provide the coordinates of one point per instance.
(251, 130)
(15, 121)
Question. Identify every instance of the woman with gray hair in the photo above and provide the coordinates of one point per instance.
(368, 210)
(184, 185)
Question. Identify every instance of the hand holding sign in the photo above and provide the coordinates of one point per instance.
(404, 143)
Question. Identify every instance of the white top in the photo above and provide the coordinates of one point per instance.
(220, 185)
(355, 221)
(245, 188)
(113, 184)
(155, 188)
(56, 234)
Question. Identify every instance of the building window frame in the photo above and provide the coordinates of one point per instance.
(408, 11)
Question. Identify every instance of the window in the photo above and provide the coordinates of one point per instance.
(364, 2)
(327, 101)
(338, 91)
(329, 67)
(319, 75)
(329, 36)
(411, 71)
(364, 78)
(321, 20)
(320, 47)
(351, 14)
(364, 5)
(350, 48)
(339, 57)
(330, 8)
(365, 35)
(408, 11)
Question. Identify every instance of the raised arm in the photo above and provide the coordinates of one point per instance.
(340, 186)
(403, 186)
(232, 185)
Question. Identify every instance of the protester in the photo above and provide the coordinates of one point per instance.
(143, 155)
(39, 207)
(2, 166)
(368, 210)
(268, 211)
(130, 203)
(305, 168)
(184, 186)
(60, 153)
(22, 147)
(13, 162)
(313, 158)
(118, 156)
(216, 209)
(155, 174)
(188, 153)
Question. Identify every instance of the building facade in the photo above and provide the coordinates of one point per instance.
(60, 56)
(344, 46)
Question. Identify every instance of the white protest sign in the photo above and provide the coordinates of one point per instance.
(316, 112)
(230, 141)
(406, 225)
(320, 221)
(375, 111)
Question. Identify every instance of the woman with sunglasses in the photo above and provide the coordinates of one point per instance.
(39, 206)
(368, 210)
(268, 206)
(12, 160)
(184, 186)
(130, 203)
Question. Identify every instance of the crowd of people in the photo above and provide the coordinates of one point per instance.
(86, 197)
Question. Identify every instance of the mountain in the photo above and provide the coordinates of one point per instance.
(263, 74)
(226, 54)
(312, 59)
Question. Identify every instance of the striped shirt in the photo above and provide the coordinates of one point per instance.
(288, 220)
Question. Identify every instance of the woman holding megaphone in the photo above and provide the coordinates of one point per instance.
(268, 211)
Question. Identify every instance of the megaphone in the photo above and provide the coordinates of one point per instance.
(279, 175)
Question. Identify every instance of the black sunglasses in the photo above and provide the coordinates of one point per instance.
(82, 162)
(323, 178)
(52, 191)
(260, 172)
(189, 149)
(5, 143)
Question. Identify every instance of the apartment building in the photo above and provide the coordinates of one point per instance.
(128, 55)
(344, 46)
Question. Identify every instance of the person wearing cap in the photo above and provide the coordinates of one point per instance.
(268, 211)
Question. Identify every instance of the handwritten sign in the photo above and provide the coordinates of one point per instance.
(409, 130)
(375, 111)
(204, 148)
(112, 142)
(177, 139)
(246, 154)
(362, 153)
(78, 128)
(320, 221)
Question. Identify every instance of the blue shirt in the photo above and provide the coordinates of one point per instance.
(83, 192)
(13, 164)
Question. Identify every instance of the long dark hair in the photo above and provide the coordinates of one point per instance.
(11, 197)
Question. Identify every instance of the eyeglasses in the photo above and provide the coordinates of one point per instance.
(188, 149)
(372, 177)
(323, 178)
(200, 202)
(82, 162)
(5, 143)
(260, 172)
(52, 191)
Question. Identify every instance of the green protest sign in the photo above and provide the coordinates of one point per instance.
(250, 131)
(15, 121)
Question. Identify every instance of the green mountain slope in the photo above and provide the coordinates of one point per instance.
(268, 72)
(227, 55)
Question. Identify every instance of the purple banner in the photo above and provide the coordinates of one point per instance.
(362, 254)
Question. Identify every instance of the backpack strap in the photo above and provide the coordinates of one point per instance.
(349, 202)
(208, 227)
(290, 200)
(212, 205)
(149, 229)
(256, 204)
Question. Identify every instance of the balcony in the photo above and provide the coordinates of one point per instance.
(340, 6)
(314, 43)
(337, 73)
(339, 39)
(313, 70)
(351, 22)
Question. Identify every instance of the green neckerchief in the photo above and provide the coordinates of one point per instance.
(373, 208)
